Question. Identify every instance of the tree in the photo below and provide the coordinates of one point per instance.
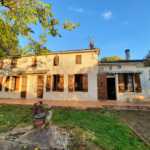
(15, 17)
(111, 58)
(147, 60)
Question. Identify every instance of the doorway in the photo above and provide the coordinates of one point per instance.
(111, 89)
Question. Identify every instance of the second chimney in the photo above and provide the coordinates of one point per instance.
(92, 45)
(127, 54)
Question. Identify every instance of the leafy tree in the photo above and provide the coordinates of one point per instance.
(15, 17)
(147, 60)
(111, 58)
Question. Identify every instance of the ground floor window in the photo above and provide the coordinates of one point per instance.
(58, 82)
(128, 82)
(78, 82)
(15, 80)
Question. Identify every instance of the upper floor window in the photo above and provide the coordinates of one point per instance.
(78, 59)
(34, 62)
(56, 60)
(1, 64)
(14, 63)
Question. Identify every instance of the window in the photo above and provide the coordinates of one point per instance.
(15, 80)
(128, 82)
(78, 59)
(14, 63)
(1, 64)
(58, 83)
(7, 84)
(34, 62)
(78, 82)
(56, 60)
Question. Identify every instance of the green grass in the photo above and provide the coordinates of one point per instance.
(109, 131)
(11, 115)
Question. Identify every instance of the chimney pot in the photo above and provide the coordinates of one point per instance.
(127, 51)
(92, 45)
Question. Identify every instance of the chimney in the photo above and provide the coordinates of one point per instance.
(127, 54)
(92, 45)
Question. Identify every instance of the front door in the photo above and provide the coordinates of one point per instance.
(102, 86)
(24, 86)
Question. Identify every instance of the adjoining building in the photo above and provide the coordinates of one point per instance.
(73, 75)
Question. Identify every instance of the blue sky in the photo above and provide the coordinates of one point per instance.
(116, 25)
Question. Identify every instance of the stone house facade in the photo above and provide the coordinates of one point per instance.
(73, 75)
(66, 75)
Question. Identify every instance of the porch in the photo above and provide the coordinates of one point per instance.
(81, 104)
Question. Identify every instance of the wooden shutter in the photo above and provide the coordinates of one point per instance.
(56, 60)
(14, 63)
(7, 83)
(1, 64)
(121, 82)
(85, 82)
(61, 83)
(71, 82)
(78, 59)
(40, 86)
(24, 86)
(48, 83)
(1, 82)
(102, 87)
(17, 83)
(137, 83)
(34, 62)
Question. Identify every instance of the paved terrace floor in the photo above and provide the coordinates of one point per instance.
(84, 104)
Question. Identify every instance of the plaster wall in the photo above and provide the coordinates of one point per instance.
(67, 65)
(144, 78)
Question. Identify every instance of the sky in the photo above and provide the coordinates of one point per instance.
(113, 25)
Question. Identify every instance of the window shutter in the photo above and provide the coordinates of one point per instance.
(14, 63)
(61, 85)
(1, 82)
(137, 83)
(56, 60)
(7, 83)
(1, 64)
(78, 59)
(71, 82)
(121, 82)
(34, 62)
(85, 82)
(17, 83)
(48, 84)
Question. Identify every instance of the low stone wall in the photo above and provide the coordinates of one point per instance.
(138, 100)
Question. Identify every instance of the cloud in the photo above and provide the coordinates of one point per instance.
(107, 14)
(125, 22)
(76, 9)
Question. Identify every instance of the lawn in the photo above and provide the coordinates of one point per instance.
(109, 132)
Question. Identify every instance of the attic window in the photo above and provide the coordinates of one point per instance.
(78, 59)
(14, 63)
(34, 62)
(56, 60)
